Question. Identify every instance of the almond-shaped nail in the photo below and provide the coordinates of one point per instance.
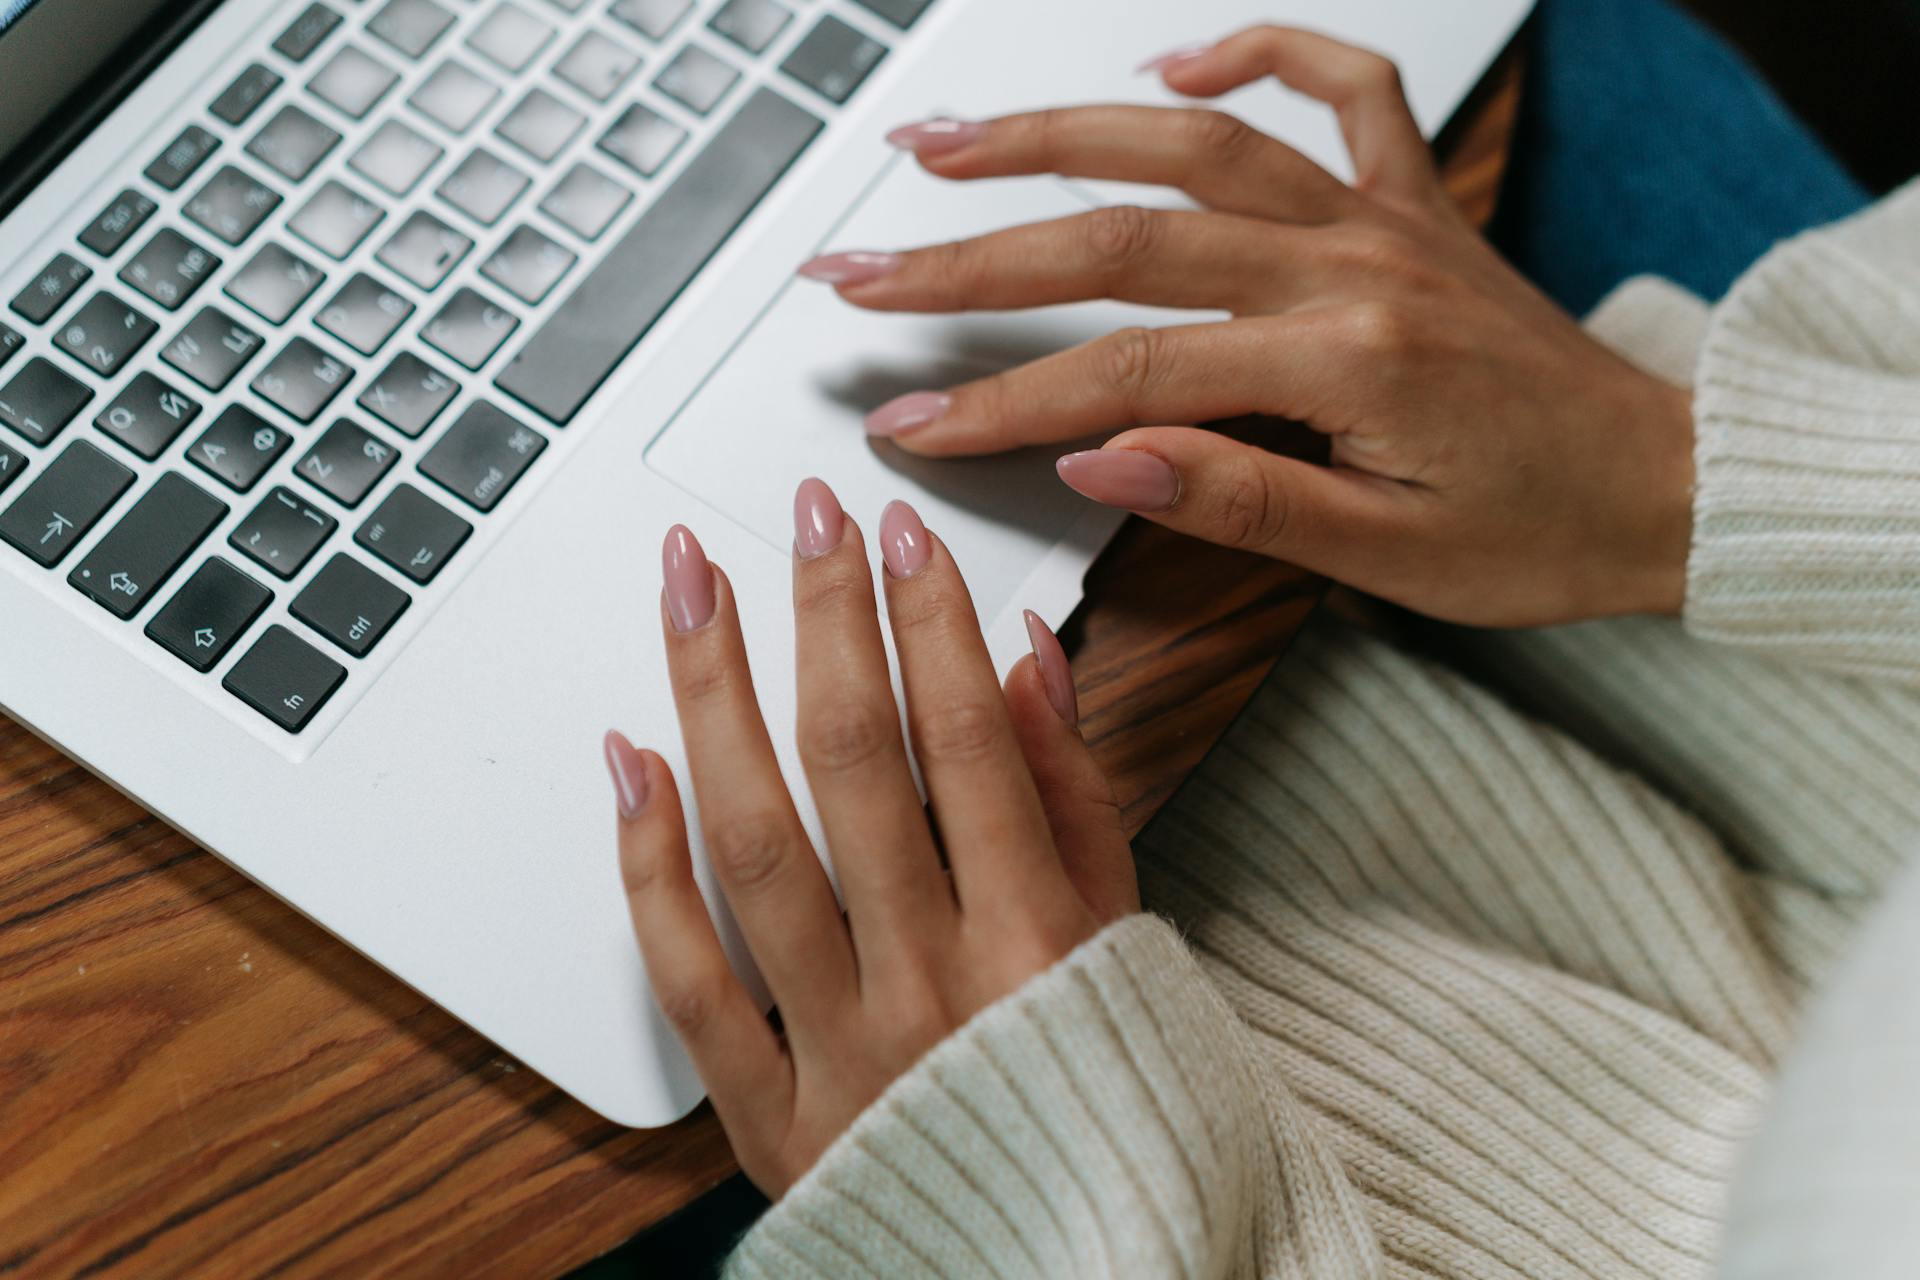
(937, 136)
(1172, 58)
(907, 413)
(1131, 479)
(1055, 673)
(688, 580)
(629, 770)
(903, 540)
(856, 266)
(817, 519)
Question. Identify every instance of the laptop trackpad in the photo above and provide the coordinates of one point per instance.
(788, 402)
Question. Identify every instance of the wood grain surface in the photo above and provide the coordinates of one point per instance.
(197, 1081)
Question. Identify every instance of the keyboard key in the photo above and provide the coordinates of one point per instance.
(346, 462)
(239, 448)
(42, 399)
(469, 329)
(212, 348)
(540, 125)
(117, 222)
(283, 532)
(409, 394)
(11, 344)
(834, 59)
(411, 26)
(752, 24)
(484, 186)
(424, 250)
(274, 283)
(597, 66)
(186, 153)
(527, 265)
(510, 37)
(147, 415)
(169, 268)
(364, 314)
(454, 96)
(413, 533)
(232, 205)
(901, 13)
(293, 143)
(586, 201)
(353, 81)
(481, 455)
(284, 678)
(350, 605)
(64, 502)
(302, 380)
(239, 100)
(47, 292)
(104, 334)
(304, 35)
(336, 219)
(627, 291)
(138, 555)
(696, 79)
(395, 158)
(642, 139)
(651, 18)
(13, 465)
(209, 612)
(568, 6)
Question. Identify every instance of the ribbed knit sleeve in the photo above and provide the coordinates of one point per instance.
(1109, 1119)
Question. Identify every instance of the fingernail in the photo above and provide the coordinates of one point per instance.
(817, 519)
(937, 136)
(855, 267)
(1131, 479)
(689, 580)
(908, 413)
(903, 540)
(1055, 673)
(1171, 58)
(629, 772)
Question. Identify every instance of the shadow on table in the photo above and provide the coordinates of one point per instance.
(691, 1244)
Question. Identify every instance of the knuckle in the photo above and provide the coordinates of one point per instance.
(688, 1003)
(702, 677)
(1219, 135)
(1249, 511)
(1382, 330)
(1377, 75)
(836, 589)
(1119, 236)
(748, 851)
(1131, 362)
(846, 738)
(961, 731)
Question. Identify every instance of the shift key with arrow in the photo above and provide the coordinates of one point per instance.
(139, 554)
(212, 609)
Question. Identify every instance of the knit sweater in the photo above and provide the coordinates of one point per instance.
(1436, 985)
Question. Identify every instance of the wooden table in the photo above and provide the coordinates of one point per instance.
(195, 1080)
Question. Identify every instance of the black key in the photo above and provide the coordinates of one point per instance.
(454, 96)
(364, 314)
(179, 161)
(409, 394)
(293, 143)
(413, 533)
(540, 125)
(117, 222)
(275, 283)
(484, 186)
(641, 139)
(527, 264)
(232, 205)
(13, 464)
(104, 334)
(302, 380)
(42, 399)
(209, 612)
(283, 532)
(138, 555)
(621, 298)
(424, 250)
(47, 292)
(411, 26)
(651, 18)
(212, 348)
(336, 219)
(239, 447)
(696, 79)
(752, 24)
(147, 415)
(597, 66)
(469, 328)
(586, 201)
(353, 81)
(395, 158)
(510, 37)
(299, 40)
(64, 501)
(239, 100)
(11, 342)
(346, 462)
(284, 678)
(169, 268)
(901, 13)
(481, 455)
(834, 59)
(350, 605)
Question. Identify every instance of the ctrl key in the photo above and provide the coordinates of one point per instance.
(284, 678)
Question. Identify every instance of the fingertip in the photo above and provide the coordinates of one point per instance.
(627, 766)
(1056, 673)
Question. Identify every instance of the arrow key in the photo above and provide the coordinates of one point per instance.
(204, 618)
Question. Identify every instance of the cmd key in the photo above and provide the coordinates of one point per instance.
(139, 554)
(64, 502)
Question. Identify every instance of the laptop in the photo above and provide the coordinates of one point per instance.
(355, 355)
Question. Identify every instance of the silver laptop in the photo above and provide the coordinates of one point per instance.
(355, 354)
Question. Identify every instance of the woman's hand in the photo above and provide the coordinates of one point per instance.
(1490, 463)
(1035, 859)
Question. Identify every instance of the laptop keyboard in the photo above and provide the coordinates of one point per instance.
(403, 243)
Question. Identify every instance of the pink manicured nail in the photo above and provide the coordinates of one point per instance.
(689, 580)
(937, 136)
(1055, 674)
(908, 413)
(629, 772)
(1172, 58)
(855, 267)
(817, 519)
(903, 540)
(1131, 479)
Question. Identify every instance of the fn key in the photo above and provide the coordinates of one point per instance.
(284, 678)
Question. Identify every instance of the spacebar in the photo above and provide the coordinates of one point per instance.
(622, 298)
